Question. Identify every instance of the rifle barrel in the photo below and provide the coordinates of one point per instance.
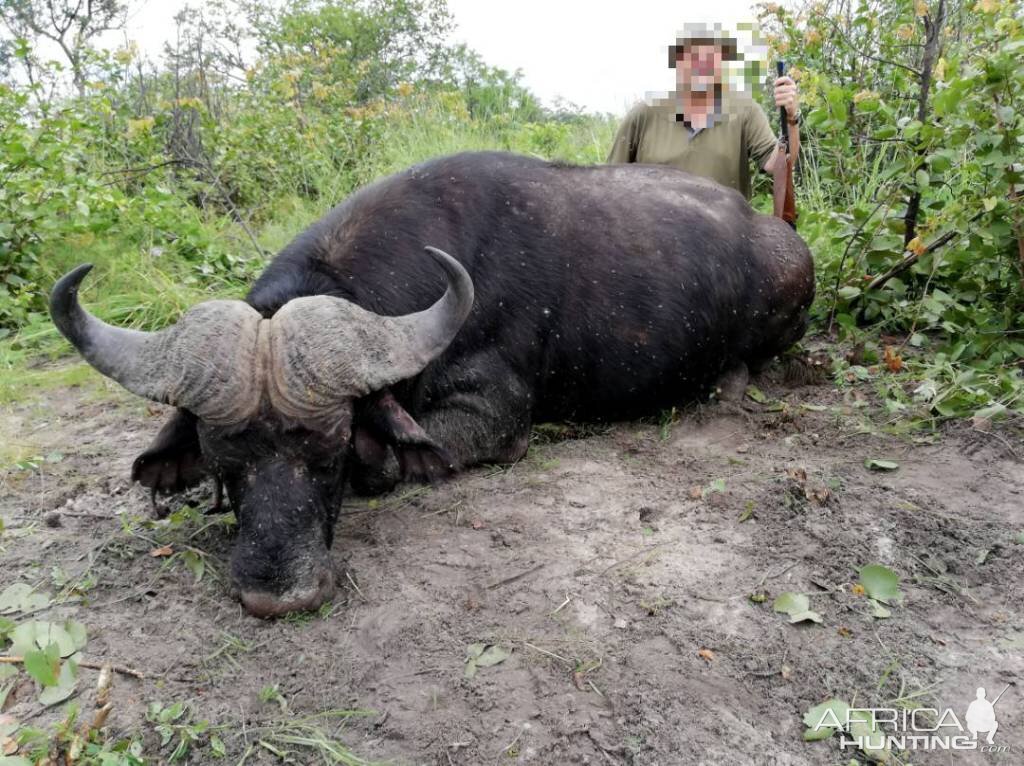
(780, 68)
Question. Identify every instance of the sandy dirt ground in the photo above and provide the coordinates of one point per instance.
(628, 571)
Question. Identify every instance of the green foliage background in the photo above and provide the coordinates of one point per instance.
(181, 179)
(916, 159)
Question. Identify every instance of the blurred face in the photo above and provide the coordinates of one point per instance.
(698, 67)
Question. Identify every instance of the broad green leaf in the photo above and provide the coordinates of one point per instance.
(939, 163)
(824, 720)
(217, 748)
(76, 631)
(30, 636)
(791, 603)
(867, 106)
(806, 616)
(492, 655)
(195, 563)
(24, 638)
(872, 740)
(483, 655)
(880, 583)
(172, 712)
(879, 611)
(43, 665)
(756, 394)
(21, 597)
(876, 464)
(64, 687)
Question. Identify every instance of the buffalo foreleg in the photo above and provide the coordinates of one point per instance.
(481, 421)
(383, 423)
(470, 425)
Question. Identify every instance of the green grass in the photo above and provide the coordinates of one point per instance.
(18, 382)
(305, 739)
(139, 282)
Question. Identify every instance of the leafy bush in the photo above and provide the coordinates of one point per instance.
(912, 175)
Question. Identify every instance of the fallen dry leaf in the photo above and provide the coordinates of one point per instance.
(892, 360)
(817, 495)
(797, 474)
(8, 746)
(707, 655)
(163, 550)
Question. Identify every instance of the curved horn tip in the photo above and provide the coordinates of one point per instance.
(64, 296)
(439, 254)
(68, 284)
(455, 270)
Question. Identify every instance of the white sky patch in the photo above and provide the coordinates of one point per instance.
(601, 56)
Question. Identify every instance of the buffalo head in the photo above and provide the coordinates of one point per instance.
(269, 404)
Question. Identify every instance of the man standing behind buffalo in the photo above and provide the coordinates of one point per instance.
(704, 127)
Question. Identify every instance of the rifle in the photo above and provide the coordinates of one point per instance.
(783, 196)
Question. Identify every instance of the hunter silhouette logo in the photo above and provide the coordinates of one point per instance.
(981, 715)
(878, 729)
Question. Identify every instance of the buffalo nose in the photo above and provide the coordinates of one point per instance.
(297, 599)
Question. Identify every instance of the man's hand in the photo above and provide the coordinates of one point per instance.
(786, 95)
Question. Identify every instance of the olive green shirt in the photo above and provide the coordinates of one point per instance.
(652, 134)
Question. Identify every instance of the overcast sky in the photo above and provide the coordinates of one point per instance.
(602, 56)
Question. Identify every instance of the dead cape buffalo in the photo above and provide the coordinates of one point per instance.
(602, 292)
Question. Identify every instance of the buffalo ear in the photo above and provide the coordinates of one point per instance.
(174, 461)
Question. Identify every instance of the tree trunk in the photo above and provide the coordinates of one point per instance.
(933, 33)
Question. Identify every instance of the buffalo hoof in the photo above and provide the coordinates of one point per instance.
(425, 463)
(731, 386)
